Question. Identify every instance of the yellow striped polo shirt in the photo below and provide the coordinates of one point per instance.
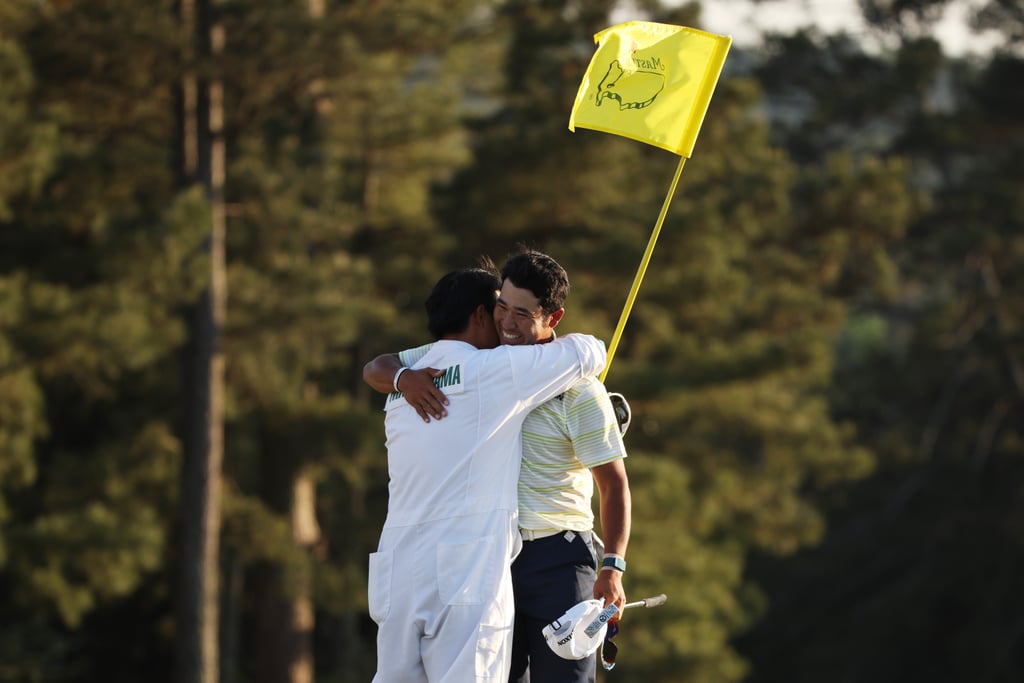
(562, 439)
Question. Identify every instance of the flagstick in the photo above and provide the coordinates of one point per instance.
(643, 268)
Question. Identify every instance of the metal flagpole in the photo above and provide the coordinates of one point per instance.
(643, 268)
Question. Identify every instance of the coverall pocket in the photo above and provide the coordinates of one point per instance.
(468, 573)
(378, 589)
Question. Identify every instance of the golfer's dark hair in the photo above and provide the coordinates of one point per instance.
(456, 296)
(540, 274)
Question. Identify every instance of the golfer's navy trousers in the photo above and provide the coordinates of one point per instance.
(550, 575)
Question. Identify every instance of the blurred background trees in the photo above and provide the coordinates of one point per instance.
(824, 363)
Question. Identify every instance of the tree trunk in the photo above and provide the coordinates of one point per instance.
(283, 594)
(306, 533)
(203, 442)
(286, 616)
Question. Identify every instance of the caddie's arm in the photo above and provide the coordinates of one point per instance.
(386, 374)
(616, 510)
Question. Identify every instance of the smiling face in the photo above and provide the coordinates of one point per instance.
(520, 319)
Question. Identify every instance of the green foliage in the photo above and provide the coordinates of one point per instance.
(26, 144)
(904, 583)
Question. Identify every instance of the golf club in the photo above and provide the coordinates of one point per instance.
(609, 611)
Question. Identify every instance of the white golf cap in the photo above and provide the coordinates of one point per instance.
(569, 637)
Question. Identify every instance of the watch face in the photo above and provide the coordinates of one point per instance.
(614, 563)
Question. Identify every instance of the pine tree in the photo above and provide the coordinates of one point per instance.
(93, 266)
(342, 120)
(927, 371)
(203, 145)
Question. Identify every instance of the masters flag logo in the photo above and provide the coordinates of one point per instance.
(651, 82)
(636, 91)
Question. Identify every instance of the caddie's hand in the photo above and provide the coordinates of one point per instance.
(608, 587)
(422, 394)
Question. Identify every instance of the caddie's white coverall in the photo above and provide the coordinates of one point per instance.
(440, 587)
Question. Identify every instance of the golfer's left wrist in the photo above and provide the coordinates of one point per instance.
(613, 562)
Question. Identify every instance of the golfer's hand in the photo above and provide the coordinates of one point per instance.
(421, 393)
(608, 587)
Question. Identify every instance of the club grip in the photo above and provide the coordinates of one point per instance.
(656, 600)
(648, 602)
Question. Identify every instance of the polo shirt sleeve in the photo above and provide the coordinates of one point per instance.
(410, 357)
(591, 424)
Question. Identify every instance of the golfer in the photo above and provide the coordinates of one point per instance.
(439, 584)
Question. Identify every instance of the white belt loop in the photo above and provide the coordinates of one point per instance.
(531, 535)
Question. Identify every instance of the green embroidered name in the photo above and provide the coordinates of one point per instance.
(452, 375)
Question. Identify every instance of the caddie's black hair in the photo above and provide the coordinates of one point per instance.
(456, 296)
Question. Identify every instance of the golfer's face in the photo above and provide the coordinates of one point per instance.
(519, 318)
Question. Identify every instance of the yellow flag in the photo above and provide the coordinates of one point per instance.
(650, 82)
